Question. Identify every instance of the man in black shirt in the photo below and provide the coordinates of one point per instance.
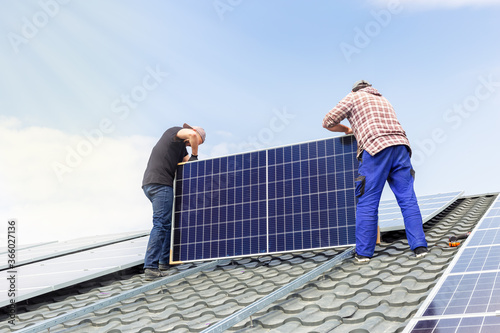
(158, 184)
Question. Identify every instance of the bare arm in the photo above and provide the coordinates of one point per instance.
(340, 128)
(190, 137)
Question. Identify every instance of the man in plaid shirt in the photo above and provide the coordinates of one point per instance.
(384, 154)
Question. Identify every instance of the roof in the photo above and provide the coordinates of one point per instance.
(381, 296)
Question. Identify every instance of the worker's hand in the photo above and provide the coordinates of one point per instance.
(348, 131)
(193, 158)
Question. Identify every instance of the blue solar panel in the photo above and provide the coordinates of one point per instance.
(485, 237)
(217, 202)
(276, 200)
(495, 212)
(467, 297)
(467, 293)
(311, 193)
(481, 324)
(490, 223)
(478, 259)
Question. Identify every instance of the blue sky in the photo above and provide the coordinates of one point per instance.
(88, 87)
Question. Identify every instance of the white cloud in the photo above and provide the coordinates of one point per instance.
(432, 4)
(101, 195)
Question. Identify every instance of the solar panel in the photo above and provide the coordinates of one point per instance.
(467, 297)
(28, 246)
(52, 274)
(275, 200)
(485, 237)
(28, 254)
(490, 223)
(483, 324)
(480, 259)
(390, 217)
(466, 294)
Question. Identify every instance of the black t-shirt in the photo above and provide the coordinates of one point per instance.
(162, 163)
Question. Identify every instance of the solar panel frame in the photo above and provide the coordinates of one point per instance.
(288, 195)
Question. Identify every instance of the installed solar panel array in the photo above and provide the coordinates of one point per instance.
(49, 250)
(390, 217)
(40, 277)
(467, 297)
(276, 200)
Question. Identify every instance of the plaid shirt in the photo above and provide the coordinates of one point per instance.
(372, 118)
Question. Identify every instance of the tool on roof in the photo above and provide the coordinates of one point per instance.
(454, 240)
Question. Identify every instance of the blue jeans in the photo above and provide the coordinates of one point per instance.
(391, 164)
(158, 250)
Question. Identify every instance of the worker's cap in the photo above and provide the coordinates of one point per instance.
(198, 129)
(360, 84)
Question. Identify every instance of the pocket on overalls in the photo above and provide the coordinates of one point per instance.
(360, 186)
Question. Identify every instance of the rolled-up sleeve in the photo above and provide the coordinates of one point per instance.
(338, 113)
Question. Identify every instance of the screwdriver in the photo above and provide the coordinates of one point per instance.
(453, 240)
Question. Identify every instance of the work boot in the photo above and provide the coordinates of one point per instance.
(361, 259)
(152, 273)
(420, 251)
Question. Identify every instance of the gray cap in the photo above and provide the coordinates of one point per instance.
(359, 83)
(198, 129)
